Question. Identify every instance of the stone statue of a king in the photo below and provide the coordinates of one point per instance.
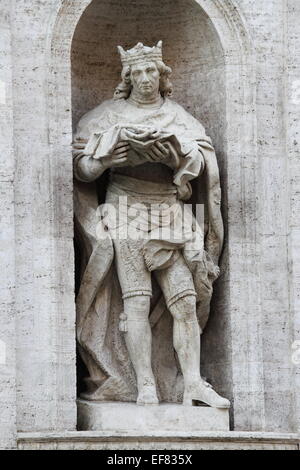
(145, 294)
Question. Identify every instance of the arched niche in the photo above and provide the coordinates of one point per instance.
(208, 47)
(192, 47)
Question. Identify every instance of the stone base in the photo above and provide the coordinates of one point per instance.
(129, 417)
(91, 440)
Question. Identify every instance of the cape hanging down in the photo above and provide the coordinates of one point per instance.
(99, 301)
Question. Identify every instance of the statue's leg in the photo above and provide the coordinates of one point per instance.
(135, 282)
(186, 337)
(138, 341)
(178, 288)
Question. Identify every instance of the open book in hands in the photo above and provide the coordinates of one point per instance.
(140, 138)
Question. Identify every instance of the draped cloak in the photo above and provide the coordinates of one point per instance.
(99, 301)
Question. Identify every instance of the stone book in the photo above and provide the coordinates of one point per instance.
(140, 138)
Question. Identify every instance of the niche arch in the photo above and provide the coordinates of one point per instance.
(217, 87)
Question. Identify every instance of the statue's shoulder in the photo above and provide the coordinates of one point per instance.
(184, 116)
(95, 115)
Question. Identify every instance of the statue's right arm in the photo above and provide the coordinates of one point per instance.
(87, 169)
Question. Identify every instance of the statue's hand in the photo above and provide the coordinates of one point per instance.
(139, 133)
(118, 157)
(158, 152)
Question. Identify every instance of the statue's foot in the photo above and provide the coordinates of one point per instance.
(202, 391)
(147, 394)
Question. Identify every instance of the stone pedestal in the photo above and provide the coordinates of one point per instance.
(129, 417)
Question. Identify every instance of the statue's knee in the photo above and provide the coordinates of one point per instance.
(184, 309)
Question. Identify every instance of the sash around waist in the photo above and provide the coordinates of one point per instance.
(140, 187)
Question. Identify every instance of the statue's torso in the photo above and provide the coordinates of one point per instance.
(169, 116)
(163, 116)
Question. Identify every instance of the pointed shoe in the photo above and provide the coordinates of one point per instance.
(206, 394)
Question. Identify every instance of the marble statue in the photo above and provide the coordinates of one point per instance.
(139, 333)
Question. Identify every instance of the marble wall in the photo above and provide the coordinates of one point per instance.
(240, 77)
(7, 240)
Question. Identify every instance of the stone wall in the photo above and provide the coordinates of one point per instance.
(7, 235)
(273, 32)
(252, 52)
(44, 233)
(292, 93)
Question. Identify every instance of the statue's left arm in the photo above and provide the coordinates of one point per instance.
(192, 166)
(200, 158)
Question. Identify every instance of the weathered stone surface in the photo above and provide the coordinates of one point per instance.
(44, 299)
(7, 238)
(251, 110)
(128, 417)
(83, 440)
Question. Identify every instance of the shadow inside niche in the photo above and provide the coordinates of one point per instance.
(80, 366)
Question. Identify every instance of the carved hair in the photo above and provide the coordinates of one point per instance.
(124, 88)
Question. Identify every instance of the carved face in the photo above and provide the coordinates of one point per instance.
(145, 78)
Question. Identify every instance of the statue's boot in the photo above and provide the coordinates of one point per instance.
(201, 392)
(187, 345)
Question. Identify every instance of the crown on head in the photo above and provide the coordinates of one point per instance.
(140, 53)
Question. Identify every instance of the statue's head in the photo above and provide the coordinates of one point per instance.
(144, 71)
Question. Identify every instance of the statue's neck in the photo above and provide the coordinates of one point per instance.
(143, 102)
